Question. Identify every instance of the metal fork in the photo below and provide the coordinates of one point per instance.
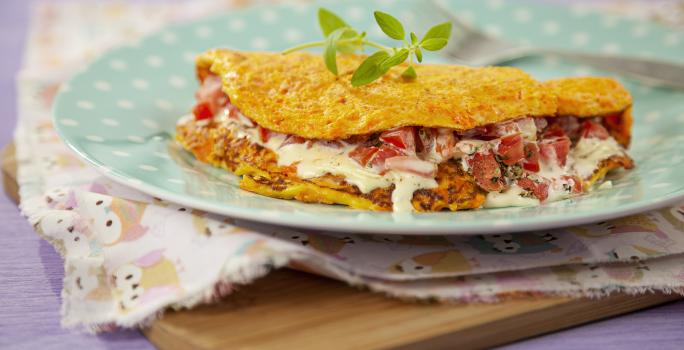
(472, 47)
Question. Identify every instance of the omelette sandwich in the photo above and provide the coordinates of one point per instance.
(454, 138)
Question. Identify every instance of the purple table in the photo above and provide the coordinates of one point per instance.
(31, 271)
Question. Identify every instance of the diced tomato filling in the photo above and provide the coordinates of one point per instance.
(511, 149)
(385, 152)
(202, 110)
(594, 130)
(293, 139)
(554, 130)
(426, 139)
(487, 171)
(613, 121)
(402, 138)
(555, 149)
(210, 98)
(576, 183)
(363, 154)
(539, 189)
(531, 161)
(445, 143)
(411, 164)
(264, 134)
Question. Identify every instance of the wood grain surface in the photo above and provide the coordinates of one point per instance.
(295, 310)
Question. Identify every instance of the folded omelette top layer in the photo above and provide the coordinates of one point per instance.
(296, 94)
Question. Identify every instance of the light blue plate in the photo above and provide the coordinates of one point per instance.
(119, 114)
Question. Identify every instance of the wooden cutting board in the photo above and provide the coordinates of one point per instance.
(295, 310)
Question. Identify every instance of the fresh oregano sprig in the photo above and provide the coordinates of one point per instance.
(340, 37)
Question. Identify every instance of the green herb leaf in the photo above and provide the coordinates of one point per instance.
(329, 21)
(398, 58)
(414, 38)
(419, 54)
(389, 25)
(440, 31)
(433, 44)
(409, 73)
(330, 51)
(370, 69)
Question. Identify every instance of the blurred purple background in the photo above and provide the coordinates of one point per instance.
(31, 271)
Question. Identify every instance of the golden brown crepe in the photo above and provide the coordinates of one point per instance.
(296, 95)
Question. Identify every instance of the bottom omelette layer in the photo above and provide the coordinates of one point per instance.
(214, 144)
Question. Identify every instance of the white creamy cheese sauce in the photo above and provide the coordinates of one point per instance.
(318, 159)
(512, 197)
(589, 152)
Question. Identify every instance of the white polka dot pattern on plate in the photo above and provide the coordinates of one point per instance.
(154, 61)
(118, 65)
(83, 104)
(121, 154)
(102, 86)
(177, 81)
(260, 43)
(522, 15)
(293, 35)
(151, 124)
(135, 139)
(68, 122)
(140, 84)
(580, 38)
(147, 167)
(169, 38)
(164, 105)
(95, 138)
(269, 16)
(203, 32)
(550, 27)
(611, 48)
(237, 25)
(109, 122)
(125, 104)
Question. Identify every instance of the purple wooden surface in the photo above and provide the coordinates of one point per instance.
(31, 271)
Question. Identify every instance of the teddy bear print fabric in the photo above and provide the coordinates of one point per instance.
(129, 256)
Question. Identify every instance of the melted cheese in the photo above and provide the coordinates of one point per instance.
(512, 197)
(316, 159)
(589, 152)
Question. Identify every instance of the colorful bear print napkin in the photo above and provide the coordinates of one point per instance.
(129, 256)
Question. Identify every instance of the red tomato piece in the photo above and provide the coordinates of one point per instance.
(412, 165)
(540, 190)
(264, 134)
(531, 161)
(293, 139)
(402, 138)
(445, 143)
(511, 149)
(576, 183)
(594, 130)
(554, 130)
(613, 121)
(555, 148)
(487, 172)
(202, 110)
(426, 139)
(385, 152)
(363, 154)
